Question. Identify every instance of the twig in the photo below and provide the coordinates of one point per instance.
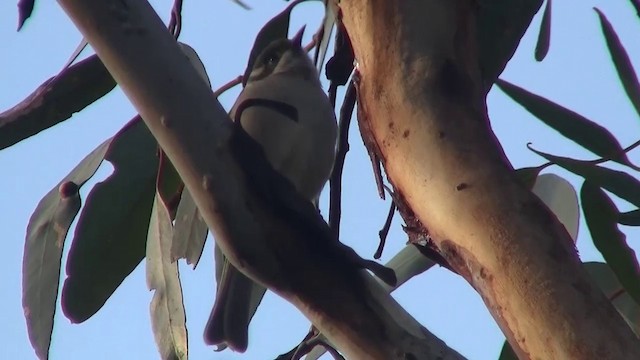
(227, 86)
(369, 139)
(175, 23)
(385, 230)
(601, 160)
(312, 43)
(346, 112)
(624, 151)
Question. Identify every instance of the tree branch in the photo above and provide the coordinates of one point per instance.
(272, 235)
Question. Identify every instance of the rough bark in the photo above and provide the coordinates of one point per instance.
(422, 95)
(277, 241)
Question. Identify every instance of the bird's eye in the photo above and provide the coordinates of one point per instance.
(272, 59)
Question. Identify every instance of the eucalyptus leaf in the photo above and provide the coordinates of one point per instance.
(495, 45)
(340, 66)
(621, 60)
(44, 242)
(620, 183)
(168, 318)
(629, 218)
(56, 100)
(325, 34)
(608, 282)
(190, 232)
(601, 216)
(110, 238)
(561, 198)
(25, 8)
(507, 352)
(169, 184)
(571, 125)
(528, 175)
(544, 36)
(636, 6)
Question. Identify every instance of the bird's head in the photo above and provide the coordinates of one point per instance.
(284, 57)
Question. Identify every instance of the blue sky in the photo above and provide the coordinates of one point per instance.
(577, 73)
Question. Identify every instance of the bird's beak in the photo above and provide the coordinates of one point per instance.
(297, 38)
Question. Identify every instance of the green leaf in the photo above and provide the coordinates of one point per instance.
(636, 6)
(195, 60)
(325, 35)
(56, 100)
(407, 263)
(276, 28)
(25, 8)
(608, 282)
(620, 183)
(169, 184)
(190, 231)
(110, 237)
(561, 198)
(601, 216)
(168, 316)
(496, 46)
(46, 233)
(571, 125)
(507, 352)
(528, 175)
(630, 218)
(544, 36)
(621, 60)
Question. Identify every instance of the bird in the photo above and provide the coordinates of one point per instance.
(285, 110)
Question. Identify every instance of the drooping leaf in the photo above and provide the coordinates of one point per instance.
(561, 198)
(621, 60)
(636, 5)
(407, 263)
(168, 316)
(620, 183)
(56, 100)
(629, 218)
(325, 34)
(25, 8)
(276, 28)
(507, 352)
(608, 282)
(528, 175)
(110, 237)
(340, 66)
(195, 60)
(544, 36)
(495, 45)
(46, 233)
(601, 216)
(190, 232)
(573, 126)
(169, 184)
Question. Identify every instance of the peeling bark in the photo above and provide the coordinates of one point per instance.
(422, 93)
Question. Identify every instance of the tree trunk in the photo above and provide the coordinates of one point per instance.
(422, 97)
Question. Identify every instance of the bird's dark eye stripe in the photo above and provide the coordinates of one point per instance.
(285, 109)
